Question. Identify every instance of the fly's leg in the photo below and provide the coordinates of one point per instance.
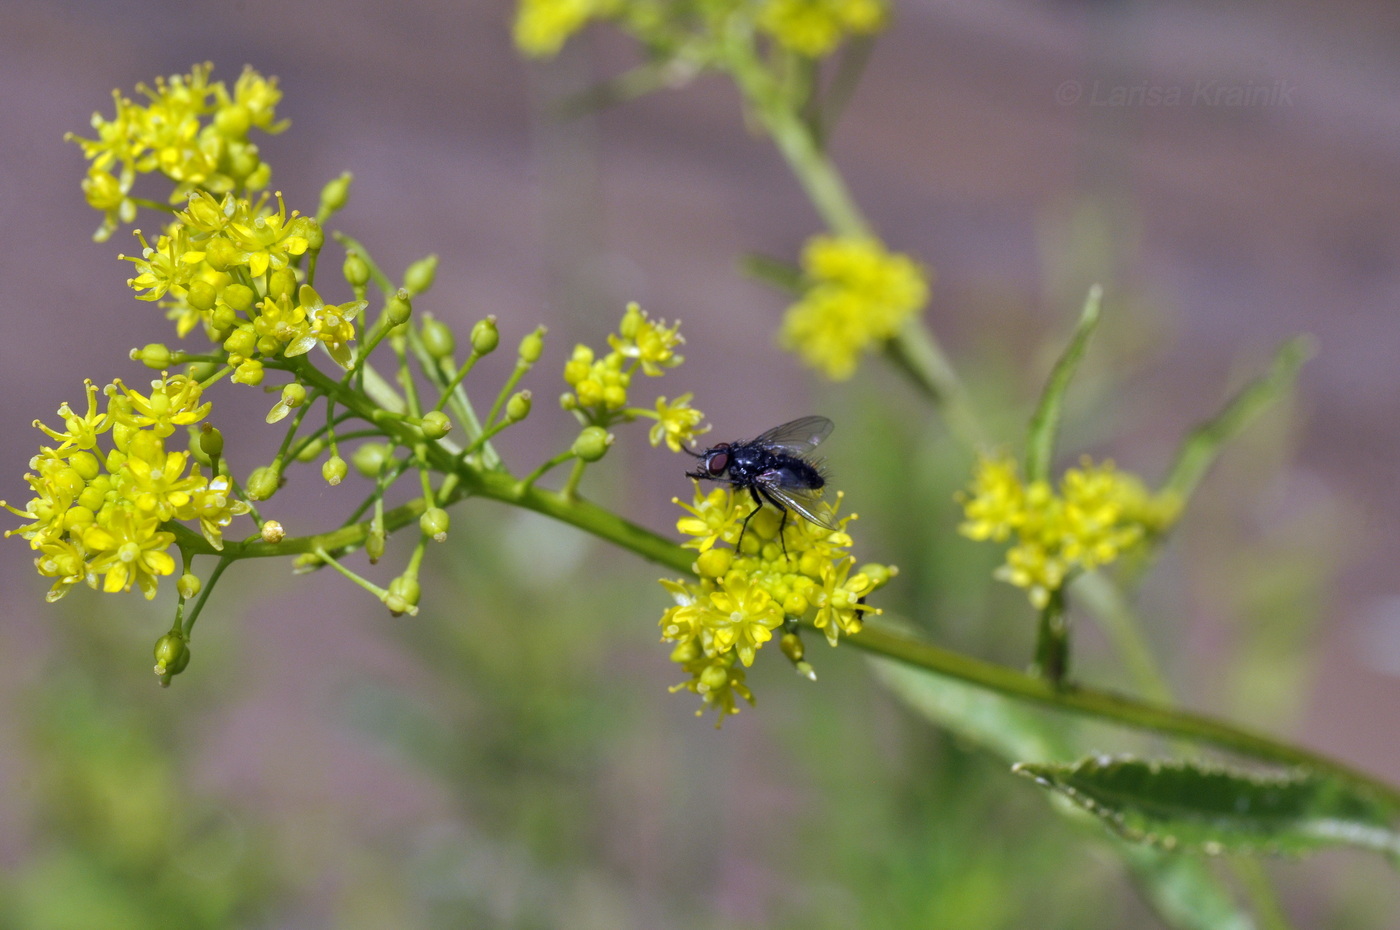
(781, 526)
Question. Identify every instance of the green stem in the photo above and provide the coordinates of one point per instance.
(1107, 706)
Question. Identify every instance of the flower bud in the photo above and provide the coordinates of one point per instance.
(239, 297)
(592, 444)
(686, 651)
(434, 523)
(334, 470)
(878, 574)
(355, 269)
(421, 274)
(402, 596)
(374, 543)
(315, 235)
(263, 483)
(714, 678)
(221, 254)
(399, 308)
(188, 585)
(485, 336)
(294, 395)
(248, 371)
(172, 654)
(153, 355)
(282, 283)
(311, 451)
(518, 407)
(713, 563)
(369, 458)
(211, 441)
(233, 121)
(242, 341)
(435, 424)
(437, 337)
(335, 194)
(201, 295)
(532, 346)
(272, 532)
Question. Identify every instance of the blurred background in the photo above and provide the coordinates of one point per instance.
(510, 757)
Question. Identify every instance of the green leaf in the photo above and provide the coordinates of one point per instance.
(1181, 889)
(1040, 442)
(1182, 805)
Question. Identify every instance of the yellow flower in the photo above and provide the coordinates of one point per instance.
(543, 26)
(858, 295)
(676, 423)
(651, 342)
(740, 597)
(1097, 514)
(815, 27)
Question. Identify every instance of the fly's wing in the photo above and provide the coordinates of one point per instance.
(806, 501)
(797, 437)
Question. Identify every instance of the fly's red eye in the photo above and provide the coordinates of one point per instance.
(717, 462)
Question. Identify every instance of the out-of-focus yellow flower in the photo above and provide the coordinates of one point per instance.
(815, 27)
(857, 296)
(1097, 514)
(543, 26)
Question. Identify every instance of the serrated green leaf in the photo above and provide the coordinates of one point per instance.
(1182, 805)
(1181, 889)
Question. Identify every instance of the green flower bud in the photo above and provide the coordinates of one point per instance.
(239, 297)
(714, 678)
(532, 346)
(315, 235)
(687, 651)
(272, 532)
(311, 451)
(437, 337)
(334, 470)
(791, 644)
(421, 274)
(152, 355)
(878, 574)
(403, 594)
(713, 563)
(242, 162)
(435, 424)
(211, 441)
(369, 458)
(592, 444)
(282, 283)
(335, 195)
(85, 464)
(233, 121)
(518, 407)
(172, 655)
(221, 254)
(269, 345)
(294, 395)
(263, 483)
(242, 341)
(249, 372)
(188, 585)
(201, 371)
(355, 269)
(201, 295)
(434, 523)
(485, 336)
(374, 543)
(399, 308)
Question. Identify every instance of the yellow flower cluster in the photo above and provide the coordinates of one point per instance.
(858, 295)
(809, 27)
(98, 514)
(600, 385)
(1097, 514)
(543, 26)
(815, 27)
(744, 595)
(192, 131)
(227, 263)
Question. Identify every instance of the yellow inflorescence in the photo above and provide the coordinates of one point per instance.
(98, 514)
(808, 27)
(721, 620)
(858, 295)
(1096, 515)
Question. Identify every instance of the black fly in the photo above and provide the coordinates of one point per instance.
(775, 468)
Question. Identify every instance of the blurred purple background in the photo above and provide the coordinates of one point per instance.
(993, 139)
